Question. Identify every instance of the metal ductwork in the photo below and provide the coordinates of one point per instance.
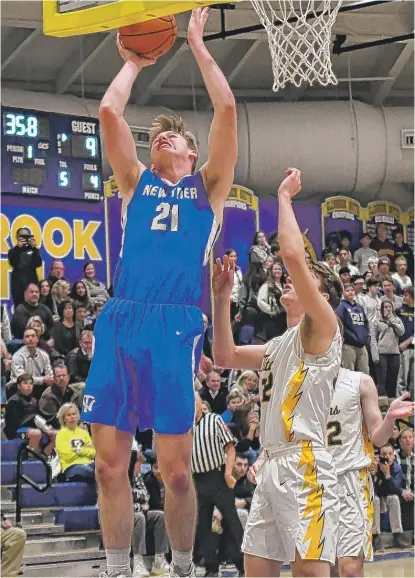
(341, 147)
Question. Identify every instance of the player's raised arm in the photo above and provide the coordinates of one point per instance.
(321, 323)
(223, 139)
(225, 352)
(379, 429)
(118, 140)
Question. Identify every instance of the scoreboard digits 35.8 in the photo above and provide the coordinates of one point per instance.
(53, 155)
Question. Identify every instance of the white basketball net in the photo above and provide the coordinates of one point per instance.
(300, 50)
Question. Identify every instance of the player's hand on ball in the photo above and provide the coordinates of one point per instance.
(130, 56)
(197, 24)
(223, 278)
(291, 185)
(400, 408)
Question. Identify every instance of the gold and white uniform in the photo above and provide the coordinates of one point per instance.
(295, 505)
(352, 451)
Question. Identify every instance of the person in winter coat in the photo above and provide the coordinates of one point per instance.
(24, 258)
(96, 289)
(356, 332)
(269, 296)
(385, 333)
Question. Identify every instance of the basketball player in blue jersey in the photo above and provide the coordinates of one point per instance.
(142, 370)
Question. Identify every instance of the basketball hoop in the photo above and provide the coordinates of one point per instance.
(299, 37)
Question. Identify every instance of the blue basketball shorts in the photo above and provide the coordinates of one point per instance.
(142, 370)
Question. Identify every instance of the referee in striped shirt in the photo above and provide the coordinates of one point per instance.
(212, 441)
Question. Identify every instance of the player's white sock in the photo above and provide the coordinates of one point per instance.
(118, 561)
(182, 561)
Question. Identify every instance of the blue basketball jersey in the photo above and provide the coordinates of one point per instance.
(168, 233)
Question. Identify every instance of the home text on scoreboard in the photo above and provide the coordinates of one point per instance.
(53, 155)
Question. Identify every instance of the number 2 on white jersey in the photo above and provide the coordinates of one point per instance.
(165, 211)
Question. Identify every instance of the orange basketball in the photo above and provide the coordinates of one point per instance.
(150, 39)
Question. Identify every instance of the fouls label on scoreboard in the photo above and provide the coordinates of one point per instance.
(75, 5)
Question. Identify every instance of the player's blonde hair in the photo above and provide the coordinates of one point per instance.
(165, 123)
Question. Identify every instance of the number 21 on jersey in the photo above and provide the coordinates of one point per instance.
(167, 218)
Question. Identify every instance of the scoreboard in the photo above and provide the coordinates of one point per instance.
(50, 155)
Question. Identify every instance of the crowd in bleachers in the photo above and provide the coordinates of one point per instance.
(47, 346)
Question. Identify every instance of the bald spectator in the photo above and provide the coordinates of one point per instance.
(59, 393)
(79, 359)
(57, 272)
(28, 309)
(213, 393)
(34, 361)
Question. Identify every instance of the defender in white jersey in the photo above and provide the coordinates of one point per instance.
(295, 509)
(355, 422)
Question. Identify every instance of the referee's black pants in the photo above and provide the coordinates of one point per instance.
(212, 491)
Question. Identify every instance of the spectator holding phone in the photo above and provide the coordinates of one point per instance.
(24, 258)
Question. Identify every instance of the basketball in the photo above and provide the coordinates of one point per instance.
(150, 39)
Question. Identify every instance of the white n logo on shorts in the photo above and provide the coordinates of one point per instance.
(88, 403)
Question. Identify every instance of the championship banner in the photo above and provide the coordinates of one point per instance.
(308, 218)
(73, 231)
(342, 214)
(240, 223)
(382, 212)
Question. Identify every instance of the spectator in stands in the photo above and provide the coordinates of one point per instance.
(29, 308)
(381, 243)
(74, 446)
(12, 547)
(155, 485)
(406, 341)
(345, 240)
(80, 318)
(401, 249)
(401, 279)
(21, 411)
(147, 521)
(385, 333)
(269, 301)
(57, 272)
(34, 361)
(60, 293)
(394, 439)
(80, 294)
(359, 289)
(244, 489)
(344, 274)
(90, 326)
(405, 457)
(388, 484)
(373, 265)
(330, 259)
(356, 332)
(249, 312)
(237, 282)
(363, 254)
(344, 258)
(371, 301)
(389, 293)
(213, 393)
(207, 344)
(384, 266)
(247, 385)
(24, 259)
(6, 333)
(96, 289)
(260, 248)
(245, 429)
(37, 324)
(234, 400)
(276, 252)
(64, 331)
(6, 363)
(46, 294)
(59, 393)
(79, 359)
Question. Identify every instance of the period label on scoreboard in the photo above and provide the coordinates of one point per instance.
(52, 155)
